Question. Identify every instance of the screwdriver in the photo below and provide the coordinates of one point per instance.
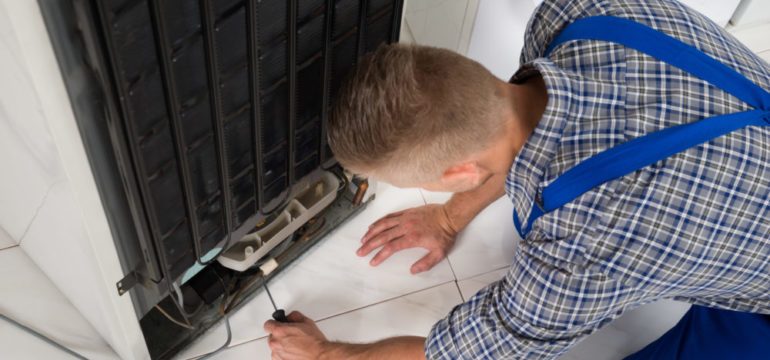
(279, 315)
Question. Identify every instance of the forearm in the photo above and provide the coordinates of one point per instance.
(463, 207)
(397, 348)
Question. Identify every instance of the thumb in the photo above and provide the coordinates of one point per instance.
(427, 262)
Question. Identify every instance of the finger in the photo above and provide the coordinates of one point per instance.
(276, 328)
(427, 262)
(390, 249)
(397, 213)
(380, 240)
(274, 344)
(270, 326)
(296, 316)
(379, 226)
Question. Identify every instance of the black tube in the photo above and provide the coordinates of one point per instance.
(133, 148)
(362, 28)
(177, 135)
(292, 77)
(212, 68)
(398, 9)
(254, 88)
(325, 107)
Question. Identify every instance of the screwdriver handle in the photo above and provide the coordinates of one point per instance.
(280, 316)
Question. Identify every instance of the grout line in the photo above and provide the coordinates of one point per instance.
(484, 273)
(457, 284)
(10, 247)
(424, 199)
(360, 308)
(383, 301)
(450, 265)
(37, 212)
(246, 342)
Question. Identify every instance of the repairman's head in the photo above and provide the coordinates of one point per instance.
(418, 116)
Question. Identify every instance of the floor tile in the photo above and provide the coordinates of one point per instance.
(631, 332)
(31, 298)
(489, 241)
(30, 161)
(252, 350)
(471, 286)
(765, 55)
(5, 240)
(754, 36)
(245, 324)
(18, 344)
(58, 241)
(412, 314)
(331, 279)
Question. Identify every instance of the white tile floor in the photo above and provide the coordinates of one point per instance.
(355, 302)
(32, 299)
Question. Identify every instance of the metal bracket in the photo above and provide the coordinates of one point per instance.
(127, 283)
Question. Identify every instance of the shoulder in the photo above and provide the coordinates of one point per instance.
(551, 16)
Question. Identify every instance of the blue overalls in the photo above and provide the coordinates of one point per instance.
(703, 333)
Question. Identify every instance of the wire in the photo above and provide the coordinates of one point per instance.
(343, 180)
(308, 232)
(225, 296)
(174, 289)
(175, 321)
(179, 294)
(42, 337)
(227, 342)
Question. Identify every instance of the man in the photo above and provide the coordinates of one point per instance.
(693, 226)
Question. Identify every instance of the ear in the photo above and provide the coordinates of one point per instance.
(468, 173)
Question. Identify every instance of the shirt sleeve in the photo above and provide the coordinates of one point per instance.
(536, 312)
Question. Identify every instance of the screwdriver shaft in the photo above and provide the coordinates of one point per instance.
(269, 295)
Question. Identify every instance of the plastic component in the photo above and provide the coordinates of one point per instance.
(268, 267)
(307, 204)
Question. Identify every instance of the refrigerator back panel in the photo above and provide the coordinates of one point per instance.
(204, 122)
(224, 105)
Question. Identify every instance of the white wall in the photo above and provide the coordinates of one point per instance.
(498, 35)
(492, 31)
(440, 23)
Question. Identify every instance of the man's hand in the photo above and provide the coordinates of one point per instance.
(298, 339)
(426, 226)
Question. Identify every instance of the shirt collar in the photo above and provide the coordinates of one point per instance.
(529, 167)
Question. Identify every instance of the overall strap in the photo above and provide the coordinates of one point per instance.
(665, 48)
(648, 149)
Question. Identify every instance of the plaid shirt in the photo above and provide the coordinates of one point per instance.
(692, 227)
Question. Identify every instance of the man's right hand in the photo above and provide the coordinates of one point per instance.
(426, 226)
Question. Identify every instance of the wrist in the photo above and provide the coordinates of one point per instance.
(451, 223)
(327, 349)
(331, 350)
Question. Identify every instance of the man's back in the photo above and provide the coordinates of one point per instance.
(693, 226)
